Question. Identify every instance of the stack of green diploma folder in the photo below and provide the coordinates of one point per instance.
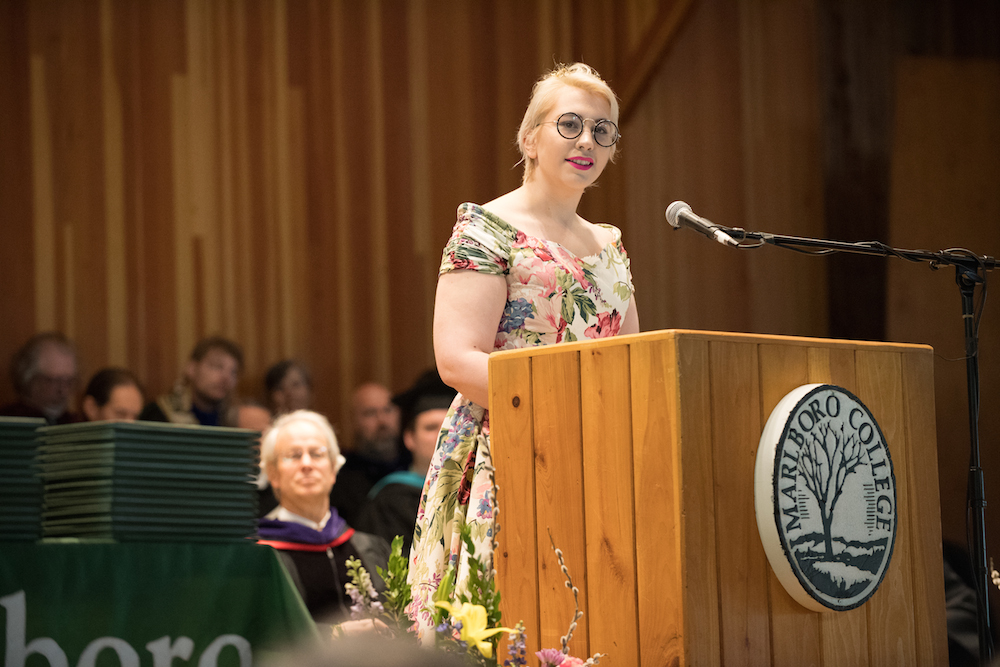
(20, 487)
(148, 481)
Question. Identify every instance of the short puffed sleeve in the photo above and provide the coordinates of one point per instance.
(479, 242)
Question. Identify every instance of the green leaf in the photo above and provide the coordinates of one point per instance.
(567, 309)
(622, 290)
(585, 304)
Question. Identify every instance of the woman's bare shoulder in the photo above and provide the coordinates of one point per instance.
(508, 207)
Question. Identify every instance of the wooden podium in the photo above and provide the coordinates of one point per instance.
(636, 454)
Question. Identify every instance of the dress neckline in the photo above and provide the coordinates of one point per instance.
(496, 218)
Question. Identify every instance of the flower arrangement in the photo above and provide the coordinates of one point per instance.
(466, 623)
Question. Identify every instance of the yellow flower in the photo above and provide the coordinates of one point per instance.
(474, 631)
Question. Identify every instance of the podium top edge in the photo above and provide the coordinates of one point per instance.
(722, 336)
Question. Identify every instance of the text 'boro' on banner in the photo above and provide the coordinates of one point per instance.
(825, 498)
(140, 604)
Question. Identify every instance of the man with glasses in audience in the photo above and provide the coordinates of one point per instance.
(44, 374)
(301, 457)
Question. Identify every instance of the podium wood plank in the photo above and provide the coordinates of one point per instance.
(845, 633)
(925, 518)
(795, 630)
(743, 566)
(668, 566)
(700, 571)
(890, 610)
(560, 493)
(607, 472)
(512, 448)
(657, 504)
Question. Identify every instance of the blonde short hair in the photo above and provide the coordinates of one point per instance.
(543, 98)
(269, 443)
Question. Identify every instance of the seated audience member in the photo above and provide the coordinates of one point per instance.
(112, 394)
(288, 386)
(376, 452)
(203, 394)
(256, 417)
(392, 503)
(44, 374)
(301, 456)
(253, 415)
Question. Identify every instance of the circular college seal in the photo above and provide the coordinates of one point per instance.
(825, 498)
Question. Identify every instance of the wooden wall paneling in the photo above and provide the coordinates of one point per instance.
(77, 151)
(781, 153)
(795, 631)
(409, 269)
(657, 501)
(360, 303)
(347, 112)
(845, 633)
(890, 610)
(610, 510)
(255, 228)
(559, 489)
(946, 113)
(742, 564)
(17, 252)
(297, 291)
(702, 631)
(924, 515)
(481, 163)
(312, 71)
(517, 22)
(267, 255)
(183, 246)
(700, 112)
(512, 447)
(158, 51)
(127, 70)
(429, 236)
(246, 192)
(116, 257)
(858, 45)
(282, 299)
(556, 22)
(377, 205)
(43, 176)
(224, 47)
(646, 32)
(199, 175)
(645, 232)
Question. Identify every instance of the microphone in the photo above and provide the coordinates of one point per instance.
(679, 214)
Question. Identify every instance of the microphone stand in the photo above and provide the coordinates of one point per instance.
(970, 271)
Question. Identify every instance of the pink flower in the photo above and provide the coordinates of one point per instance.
(608, 324)
(461, 264)
(570, 661)
(550, 657)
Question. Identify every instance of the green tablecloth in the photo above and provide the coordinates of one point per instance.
(111, 604)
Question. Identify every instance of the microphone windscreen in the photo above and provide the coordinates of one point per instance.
(673, 211)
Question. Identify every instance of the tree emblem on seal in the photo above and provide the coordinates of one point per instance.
(825, 497)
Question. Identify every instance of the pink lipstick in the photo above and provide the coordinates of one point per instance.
(581, 163)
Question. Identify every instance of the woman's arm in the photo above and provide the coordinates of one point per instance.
(467, 311)
(631, 323)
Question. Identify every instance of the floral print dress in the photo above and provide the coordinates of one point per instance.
(553, 296)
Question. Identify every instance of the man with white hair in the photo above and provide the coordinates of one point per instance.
(301, 457)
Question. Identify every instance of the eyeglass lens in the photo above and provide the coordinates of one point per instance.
(570, 126)
(317, 454)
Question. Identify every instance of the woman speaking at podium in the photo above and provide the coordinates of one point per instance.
(522, 270)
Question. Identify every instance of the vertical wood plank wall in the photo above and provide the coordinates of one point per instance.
(286, 173)
(664, 429)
